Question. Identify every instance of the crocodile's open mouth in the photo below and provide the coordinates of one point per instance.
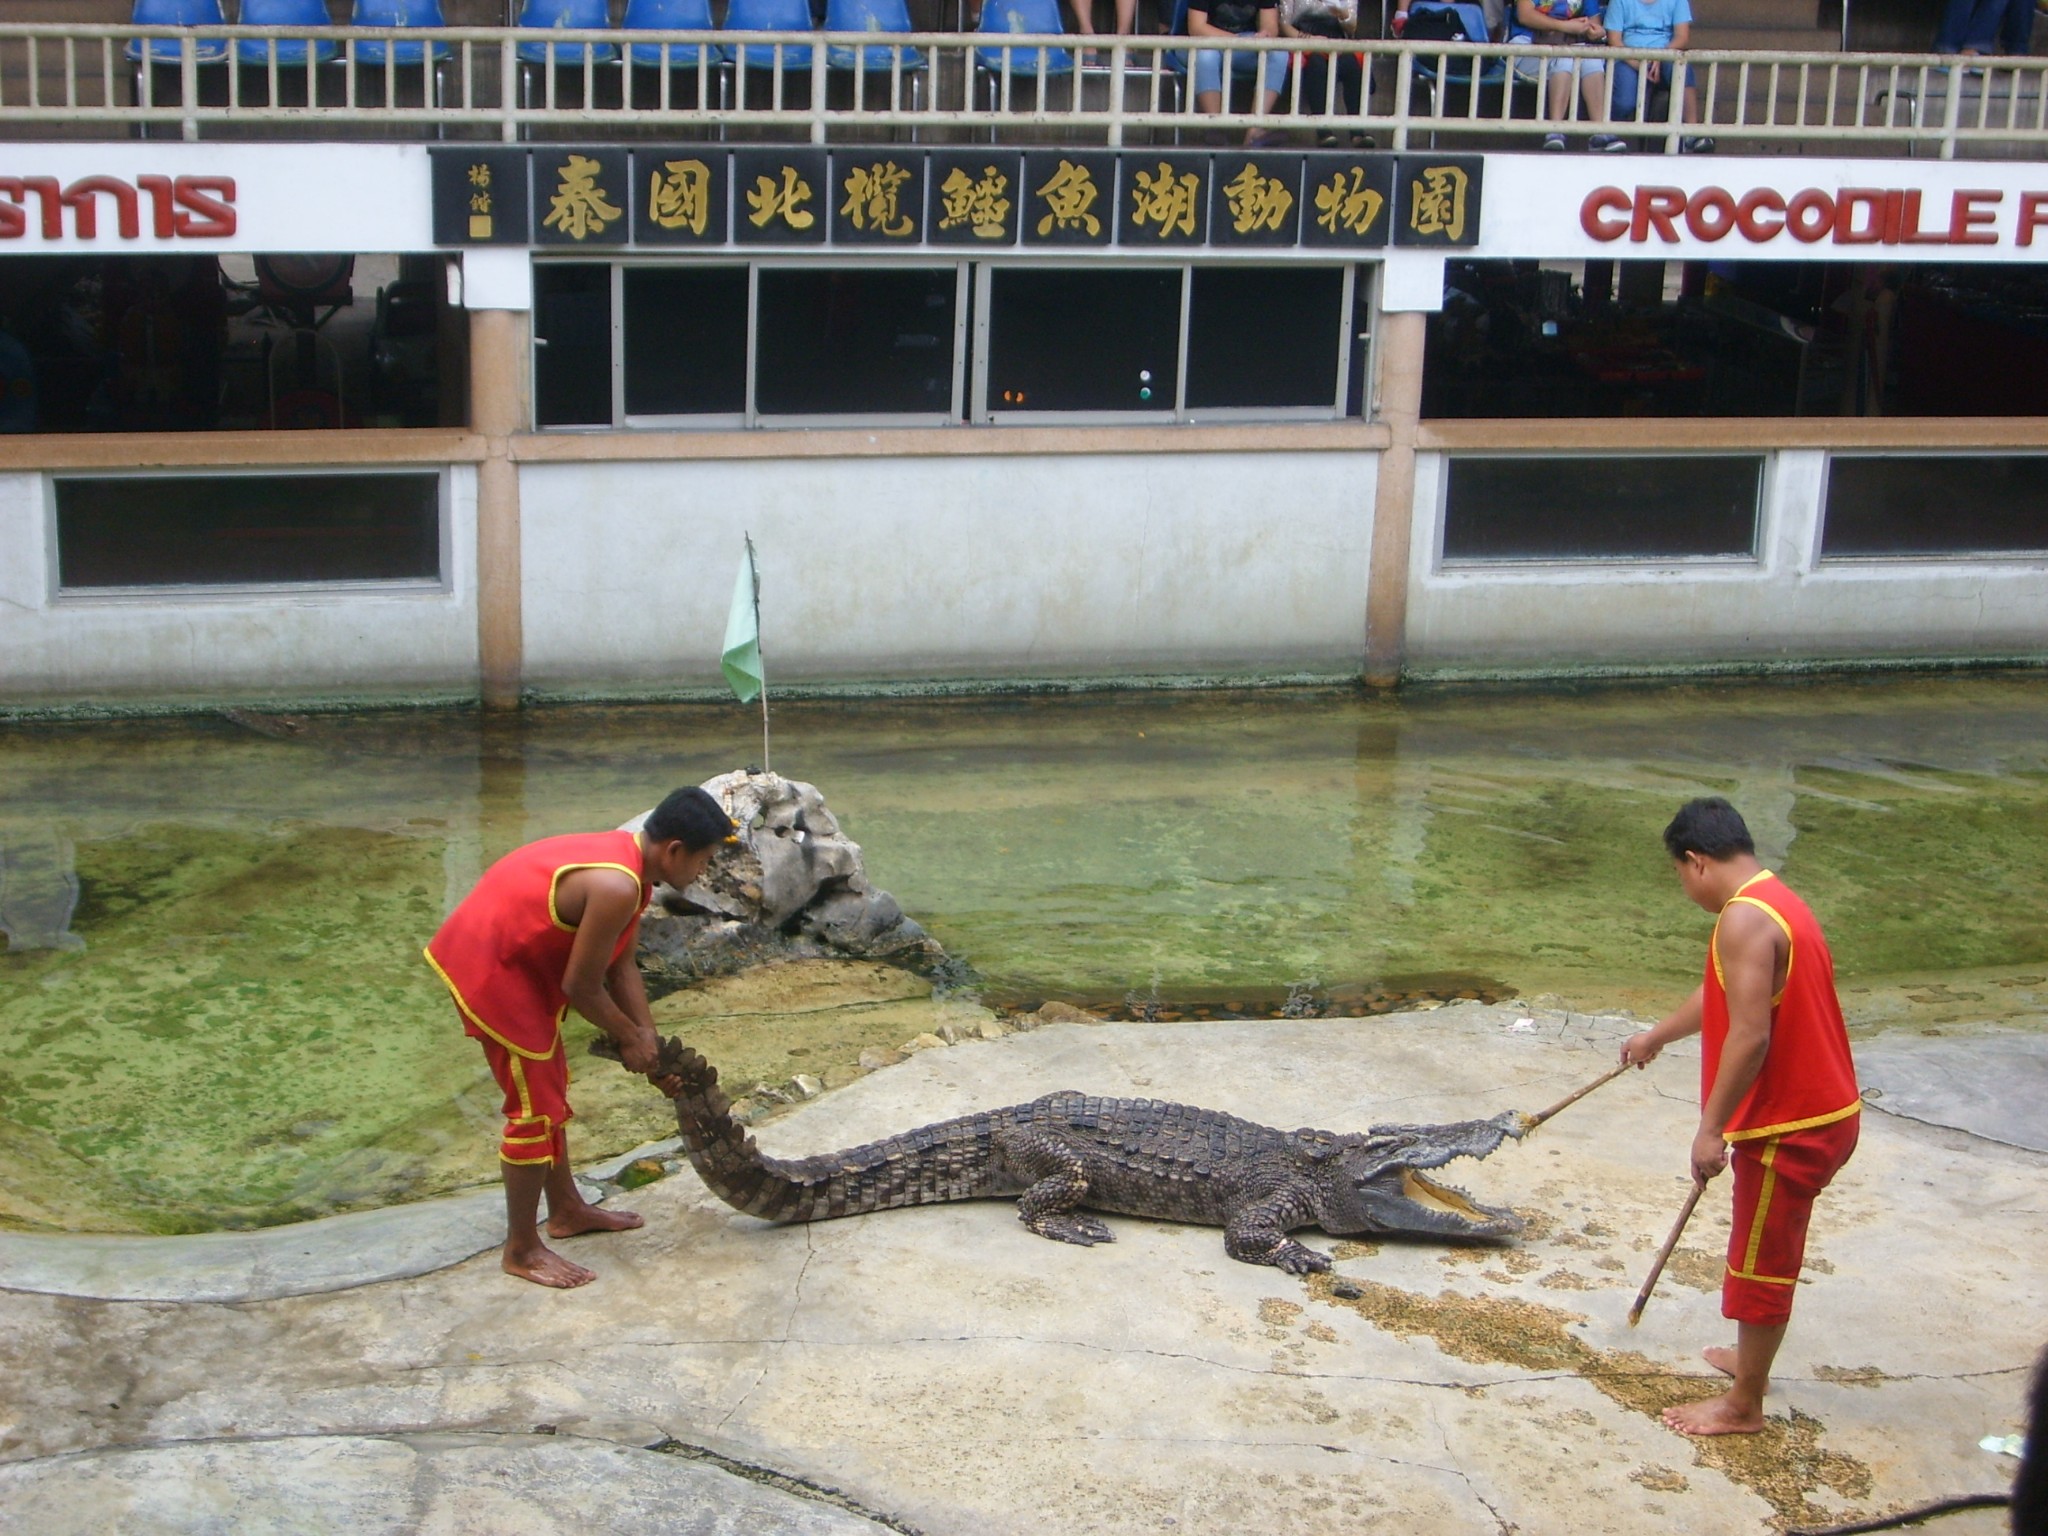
(1431, 1195)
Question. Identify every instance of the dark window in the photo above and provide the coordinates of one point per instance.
(1264, 336)
(1083, 339)
(686, 341)
(572, 355)
(207, 530)
(1936, 505)
(1601, 508)
(868, 341)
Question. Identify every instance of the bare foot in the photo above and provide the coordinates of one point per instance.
(591, 1218)
(1720, 1357)
(543, 1266)
(1716, 1416)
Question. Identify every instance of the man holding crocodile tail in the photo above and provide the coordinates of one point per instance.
(1778, 1093)
(550, 927)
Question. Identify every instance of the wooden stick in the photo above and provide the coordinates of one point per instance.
(1635, 1313)
(1572, 1098)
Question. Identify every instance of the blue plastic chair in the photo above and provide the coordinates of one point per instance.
(177, 13)
(585, 15)
(1458, 71)
(667, 16)
(1027, 16)
(769, 16)
(870, 16)
(398, 13)
(285, 13)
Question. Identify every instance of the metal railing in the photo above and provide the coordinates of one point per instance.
(80, 81)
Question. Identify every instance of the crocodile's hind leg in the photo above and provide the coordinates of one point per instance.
(1050, 1206)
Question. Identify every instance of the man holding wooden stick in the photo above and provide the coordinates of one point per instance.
(1778, 1091)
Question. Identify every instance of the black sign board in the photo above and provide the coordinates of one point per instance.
(974, 198)
(480, 197)
(581, 197)
(1162, 200)
(882, 196)
(681, 196)
(877, 197)
(1255, 199)
(1347, 201)
(1437, 200)
(780, 197)
(1069, 198)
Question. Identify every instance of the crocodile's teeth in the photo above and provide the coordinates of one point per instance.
(1428, 1192)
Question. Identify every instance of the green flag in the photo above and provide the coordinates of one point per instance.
(741, 660)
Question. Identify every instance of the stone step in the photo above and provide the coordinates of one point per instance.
(1767, 39)
(1797, 15)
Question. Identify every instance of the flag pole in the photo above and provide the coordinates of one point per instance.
(755, 570)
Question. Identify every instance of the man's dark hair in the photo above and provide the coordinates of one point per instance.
(2030, 1488)
(1709, 825)
(690, 814)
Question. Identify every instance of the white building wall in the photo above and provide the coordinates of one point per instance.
(957, 566)
(1782, 607)
(296, 642)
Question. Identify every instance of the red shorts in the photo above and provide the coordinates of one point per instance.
(1776, 1179)
(536, 1103)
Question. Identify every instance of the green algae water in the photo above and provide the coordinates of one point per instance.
(215, 1013)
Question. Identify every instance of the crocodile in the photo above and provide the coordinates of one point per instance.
(1131, 1157)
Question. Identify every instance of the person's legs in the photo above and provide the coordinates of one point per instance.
(1084, 16)
(525, 1255)
(2016, 34)
(1557, 93)
(1206, 72)
(1627, 83)
(569, 1214)
(1776, 1183)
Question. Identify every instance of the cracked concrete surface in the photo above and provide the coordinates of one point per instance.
(944, 1371)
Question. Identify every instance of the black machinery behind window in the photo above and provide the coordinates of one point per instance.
(1083, 339)
(862, 341)
(207, 530)
(1264, 337)
(686, 341)
(1936, 505)
(572, 329)
(1601, 508)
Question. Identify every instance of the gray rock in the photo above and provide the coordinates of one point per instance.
(792, 888)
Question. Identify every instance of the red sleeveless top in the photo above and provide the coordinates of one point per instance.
(503, 950)
(1808, 1077)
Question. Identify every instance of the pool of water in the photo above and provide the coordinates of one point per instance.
(215, 1013)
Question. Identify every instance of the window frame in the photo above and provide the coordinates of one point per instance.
(1819, 560)
(1632, 566)
(752, 417)
(1356, 339)
(1180, 414)
(434, 586)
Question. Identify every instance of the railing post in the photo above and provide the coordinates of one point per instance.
(1404, 91)
(508, 90)
(188, 81)
(818, 91)
(1115, 138)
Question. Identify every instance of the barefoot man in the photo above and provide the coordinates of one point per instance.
(550, 927)
(1778, 1091)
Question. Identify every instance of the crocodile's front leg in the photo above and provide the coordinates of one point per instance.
(1257, 1234)
(1059, 1175)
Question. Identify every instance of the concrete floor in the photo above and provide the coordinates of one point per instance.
(945, 1371)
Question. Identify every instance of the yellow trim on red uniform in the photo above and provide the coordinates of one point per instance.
(1763, 1210)
(1714, 939)
(638, 878)
(526, 1162)
(469, 1013)
(1789, 1126)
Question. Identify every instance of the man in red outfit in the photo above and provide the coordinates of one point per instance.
(550, 927)
(1778, 1090)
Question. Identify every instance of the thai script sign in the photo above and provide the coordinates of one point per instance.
(884, 196)
(46, 208)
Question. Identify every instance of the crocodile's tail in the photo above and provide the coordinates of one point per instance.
(951, 1161)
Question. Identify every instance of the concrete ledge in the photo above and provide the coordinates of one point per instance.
(299, 1260)
(399, 1484)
